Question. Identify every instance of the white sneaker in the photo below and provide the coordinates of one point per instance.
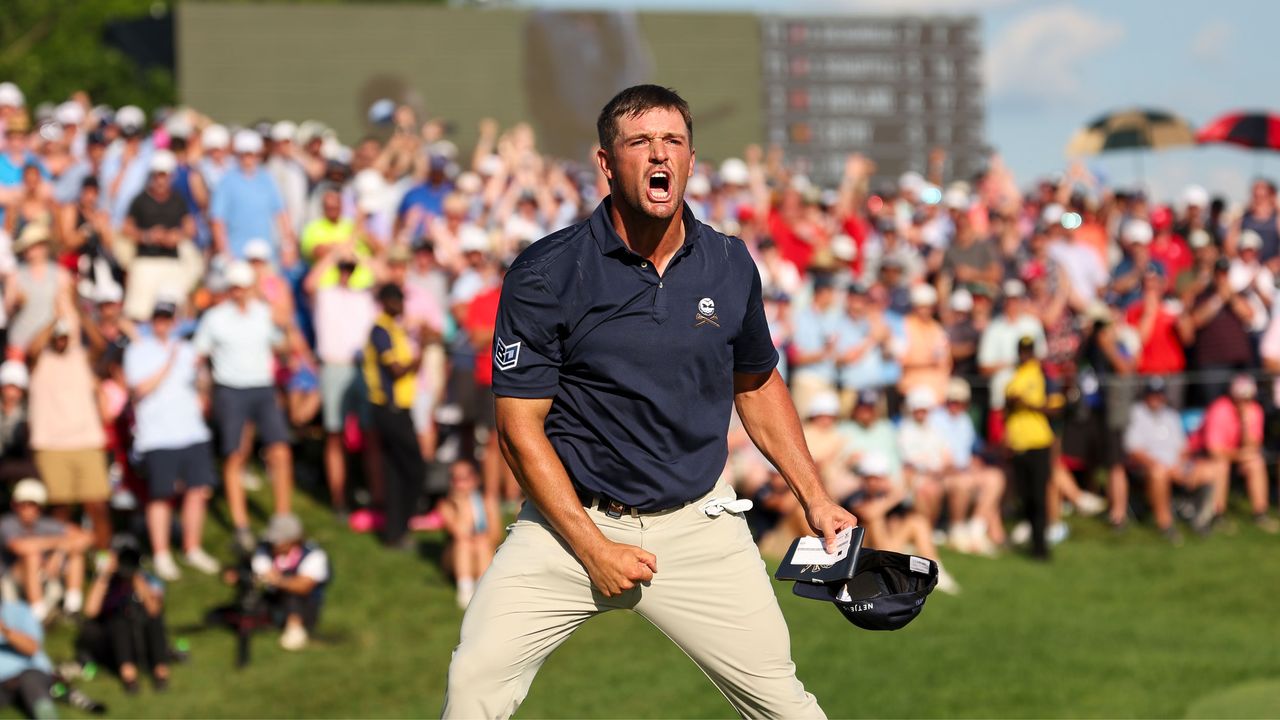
(946, 583)
(250, 480)
(166, 568)
(52, 594)
(1057, 532)
(73, 602)
(202, 561)
(294, 637)
(40, 610)
(1089, 504)
(466, 591)
(1021, 534)
(959, 538)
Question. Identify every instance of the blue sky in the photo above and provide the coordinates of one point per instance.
(1053, 65)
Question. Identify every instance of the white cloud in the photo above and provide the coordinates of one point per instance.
(907, 7)
(1210, 43)
(922, 6)
(1038, 56)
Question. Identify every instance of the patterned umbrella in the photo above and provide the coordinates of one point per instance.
(1249, 129)
(1134, 128)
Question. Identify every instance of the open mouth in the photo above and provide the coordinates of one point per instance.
(659, 186)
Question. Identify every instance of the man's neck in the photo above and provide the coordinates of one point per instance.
(657, 240)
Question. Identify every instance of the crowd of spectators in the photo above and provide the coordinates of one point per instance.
(185, 302)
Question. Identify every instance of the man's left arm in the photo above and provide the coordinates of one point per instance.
(770, 419)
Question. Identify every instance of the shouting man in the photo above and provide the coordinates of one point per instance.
(622, 345)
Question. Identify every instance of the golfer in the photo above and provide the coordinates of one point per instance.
(622, 344)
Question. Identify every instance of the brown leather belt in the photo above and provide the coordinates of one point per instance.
(614, 508)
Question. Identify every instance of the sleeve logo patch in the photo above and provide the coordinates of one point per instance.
(505, 355)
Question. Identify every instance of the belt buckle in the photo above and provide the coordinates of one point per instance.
(615, 509)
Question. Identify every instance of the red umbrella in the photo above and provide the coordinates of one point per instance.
(1250, 129)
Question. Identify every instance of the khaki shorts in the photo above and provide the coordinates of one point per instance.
(74, 476)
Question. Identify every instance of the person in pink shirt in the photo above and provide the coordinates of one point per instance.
(1232, 437)
(343, 316)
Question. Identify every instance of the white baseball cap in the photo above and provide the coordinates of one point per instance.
(956, 198)
(308, 130)
(824, 403)
(30, 490)
(1052, 214)
(734, 171)
(1243, 387)
(1195, 196)
(1199, 238)
(844, 248)
(921, 398)
(257, 249)
(1250, 240)
(14, 372)
(246, 142)
(469, 183)
(163, 161)
(911, 181)
(130, 118)
(491, 164)
(958, 390)
(108, 292)
(11, 96)
(69, 113)
(471, 238)
(178, 126)
(284, 131)
(1013, 288)
(873, 464)
(240, 274)
(698, 186)
(924, 294)
(1137, 232)
(215, 137)
(962, 300)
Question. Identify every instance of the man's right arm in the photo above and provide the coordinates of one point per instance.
(613, 567)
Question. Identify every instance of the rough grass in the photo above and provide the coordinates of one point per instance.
(1114, 627)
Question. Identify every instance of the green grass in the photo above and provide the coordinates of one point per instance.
(1114, 627)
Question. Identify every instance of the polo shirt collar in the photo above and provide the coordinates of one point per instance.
(610, 243)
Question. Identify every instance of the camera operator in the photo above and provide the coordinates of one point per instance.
(295, 573)
(124, 627)
(26, 674)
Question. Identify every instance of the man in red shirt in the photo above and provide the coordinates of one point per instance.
(479, 322)
(1164, 328)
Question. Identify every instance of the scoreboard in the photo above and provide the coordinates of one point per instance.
(891, 88)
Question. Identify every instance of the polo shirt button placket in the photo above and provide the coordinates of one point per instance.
(660, 311)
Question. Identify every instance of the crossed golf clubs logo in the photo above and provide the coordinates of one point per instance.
(706, 313)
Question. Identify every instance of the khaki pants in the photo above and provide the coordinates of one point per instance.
(711, 596)
(150, 277)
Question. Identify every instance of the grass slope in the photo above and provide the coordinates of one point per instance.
(1114, 627)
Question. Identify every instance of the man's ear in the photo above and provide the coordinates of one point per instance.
(603, 161)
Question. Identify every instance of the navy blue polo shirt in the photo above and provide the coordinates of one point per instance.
(640, 366)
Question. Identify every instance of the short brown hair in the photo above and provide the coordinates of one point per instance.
(636, 101)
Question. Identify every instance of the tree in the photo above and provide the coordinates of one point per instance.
(52, 48)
